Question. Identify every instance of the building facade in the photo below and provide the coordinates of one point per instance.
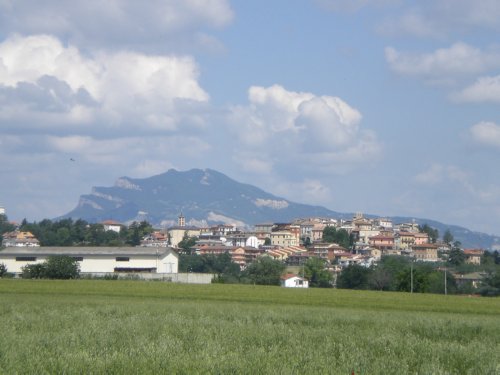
(97, 260)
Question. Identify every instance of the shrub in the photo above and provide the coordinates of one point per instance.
(62, 267)
(56, 267)
(3, 270)
(34, 271)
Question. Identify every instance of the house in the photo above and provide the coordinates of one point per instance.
(317, 232)
(421, 238)
(382, 241)
(294, 281)
(284, 238)
(474, 279)
(97, 260)
(426, 252)
(19, 239)
(112, 225)
(405, 240)
(177, 233)
(327, 251)
(155, 239)
(473, 256)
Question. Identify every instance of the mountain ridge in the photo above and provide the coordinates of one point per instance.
(210, 197)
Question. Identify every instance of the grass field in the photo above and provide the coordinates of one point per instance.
(132, 327)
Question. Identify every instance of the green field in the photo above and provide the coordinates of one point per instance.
(133, 327)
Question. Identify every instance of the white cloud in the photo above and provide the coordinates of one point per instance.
(486, 133)
(457, 60)
(302, 129)
(119, 23)
(485, 89)
(44, 82)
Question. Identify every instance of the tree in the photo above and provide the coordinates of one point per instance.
(354, 277)
(5, 226)
(61, 267)
(431, 232)
(267, 241)
(3, 270)
(187, 243)
(380, 279)
(317, 274)
(436, 282)
(265, 271)
(392, 265)
(448, 237)
(340, 236)
(457, 256)
(491, 285)
(34, 271)
(420, 280)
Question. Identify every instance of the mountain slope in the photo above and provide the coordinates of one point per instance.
(201, 195)
(207, 197)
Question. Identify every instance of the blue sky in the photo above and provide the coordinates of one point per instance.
(385, 107)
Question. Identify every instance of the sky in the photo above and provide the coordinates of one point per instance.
(386, 107)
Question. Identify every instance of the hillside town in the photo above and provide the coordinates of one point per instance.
(337, 243)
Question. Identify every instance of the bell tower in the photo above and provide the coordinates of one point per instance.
(181, 221)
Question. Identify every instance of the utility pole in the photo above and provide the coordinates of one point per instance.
(445, 286)
(411, 276)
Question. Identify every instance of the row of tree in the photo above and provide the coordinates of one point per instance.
(399, 273)
(263, 271)
(67, 232)
(392, 273)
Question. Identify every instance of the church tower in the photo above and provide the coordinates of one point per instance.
(181, 221)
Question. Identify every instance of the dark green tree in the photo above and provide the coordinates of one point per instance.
(448, 237)
(390, 266)
(491, 285)
(34, 271)
(420, 280)
(354, 277)
(3, 270)
(436, 282)
(431, 232)
(338, 236)
(317, 274)
(187, 243)
(5, 226)
(456, 256)
(380, 279)
(264, 271)
(61, 267)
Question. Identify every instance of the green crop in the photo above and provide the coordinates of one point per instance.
(133, 327)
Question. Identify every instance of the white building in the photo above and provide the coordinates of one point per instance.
(19, 239)
(97, 260)
(112, 225)
(294, 281)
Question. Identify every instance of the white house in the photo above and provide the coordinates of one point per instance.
(112, 225)
(294, 281)
(19, 239)
(97, 260)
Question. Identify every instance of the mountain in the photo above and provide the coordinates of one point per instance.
(207, 197)
(201, 195)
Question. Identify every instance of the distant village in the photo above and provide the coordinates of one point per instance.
(365, 242)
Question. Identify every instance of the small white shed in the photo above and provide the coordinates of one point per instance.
(294, 281)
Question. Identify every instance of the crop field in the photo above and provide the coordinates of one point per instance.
(134, 327)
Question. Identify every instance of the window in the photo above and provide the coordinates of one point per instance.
(25, 259)
(122, 259)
